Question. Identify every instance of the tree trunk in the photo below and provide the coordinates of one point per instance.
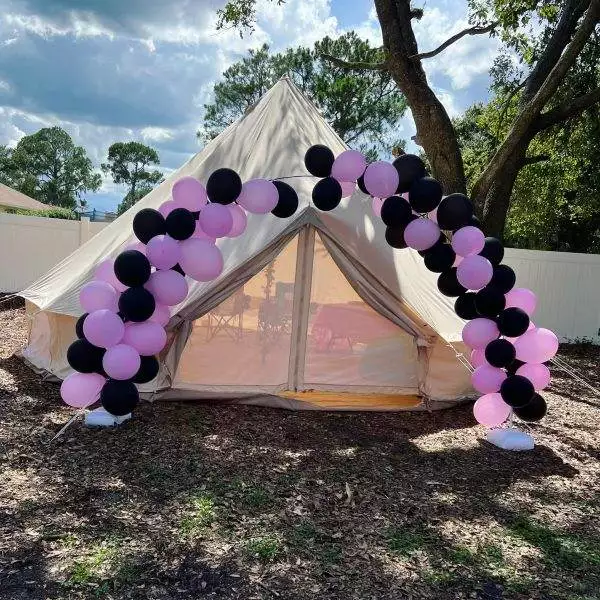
(435, 132)
(497, 201)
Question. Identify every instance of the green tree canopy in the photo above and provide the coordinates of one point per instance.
(550, 39)
(128, 164)
(363, 108)
(49, 167)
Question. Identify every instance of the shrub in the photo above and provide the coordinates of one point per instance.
(54, 212)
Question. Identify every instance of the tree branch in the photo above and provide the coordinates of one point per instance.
(357, 66)
(523, 123)
(455, 38)
(567, 110)
(531, 160)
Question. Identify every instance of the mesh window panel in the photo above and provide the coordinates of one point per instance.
(245, 341)
(349, 344)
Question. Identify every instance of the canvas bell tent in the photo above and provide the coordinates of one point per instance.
(314, 311)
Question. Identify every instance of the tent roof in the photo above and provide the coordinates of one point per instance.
(10, 198)
(269, 141)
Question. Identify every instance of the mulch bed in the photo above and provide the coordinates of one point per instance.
(189, 500)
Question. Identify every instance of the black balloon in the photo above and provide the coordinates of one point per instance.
(147, 223)
(394, 236)
(396, 212)
(148, 370)
(516, 390)
(448, 283)
(327, 194)
(361, 185)
(132, 268)
(474, 222)
(504, 278)
(500, 353)
(288, 200)
(137, 304)
(534, 410)
(439, 257)
(493, 250)
(513, 322)
(85, 357)
(223, 186)
(454, 211)
(440, 241)
(514, 366)
(119, 398)
(410, 168)
(490, 301)
(79, 326)
(425, 194)
(465, 306)
(319, 160)
(180, 223)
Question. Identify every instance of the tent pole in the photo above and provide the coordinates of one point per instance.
(301, 307)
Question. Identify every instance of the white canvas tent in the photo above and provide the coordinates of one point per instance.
(314, 311)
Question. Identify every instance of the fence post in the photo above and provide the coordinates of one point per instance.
(85, 232)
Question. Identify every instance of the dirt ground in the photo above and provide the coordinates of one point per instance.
(197, 501)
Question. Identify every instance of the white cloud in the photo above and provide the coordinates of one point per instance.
(156, 134)
(464, 60)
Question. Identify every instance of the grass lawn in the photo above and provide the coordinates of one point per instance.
(194, 501)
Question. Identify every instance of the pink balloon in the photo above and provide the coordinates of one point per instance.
(381, 179)
(121, 361)
(487, 379)
(349, 166)
(479, 332)
(201, 260)
(198, 233)
(136, 246)
(474, 272)
(97, 295)
(535, 346)
(240, 220)
(161, 315)
(189, 193)
(348, 188)
(81, 389)
(376, 205)
(491, 410)
(147, 338)
(258, 196)
(538, 374)
(457, 260)
(163, 251)
(421, 234)
(105, 271)
(521, 298)
(478, 357)
(433, 215)
(216, 220)
(168, 287)
(468, 240)
(166, 207)
(103, 328)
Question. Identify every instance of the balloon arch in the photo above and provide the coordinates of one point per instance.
(127, 304)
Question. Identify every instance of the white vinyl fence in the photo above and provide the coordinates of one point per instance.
(567, 284)
(30, 246)
(568, 290)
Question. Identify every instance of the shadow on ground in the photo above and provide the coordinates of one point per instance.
(196, 500)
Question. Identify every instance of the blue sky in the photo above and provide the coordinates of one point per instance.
(116, 70)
